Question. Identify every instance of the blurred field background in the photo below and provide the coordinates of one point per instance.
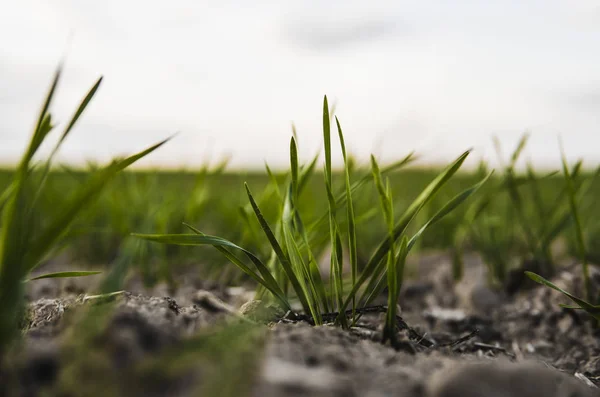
(214, 200)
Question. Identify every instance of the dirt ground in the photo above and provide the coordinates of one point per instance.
(520, 345)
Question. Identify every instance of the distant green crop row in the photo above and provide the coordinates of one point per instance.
(159, 201)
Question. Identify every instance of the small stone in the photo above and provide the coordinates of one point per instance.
(260, 311)
(444, 314)
(207, 300)
(507, 380)
(484, 299)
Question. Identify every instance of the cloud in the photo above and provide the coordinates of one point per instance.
(582, 98)
(589, 98)
(319, 34)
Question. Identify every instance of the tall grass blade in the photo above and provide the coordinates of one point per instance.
(426, 195)
(268, 281)
(303, 272)
(294, 167)
(80, 199)
(593, 310)
(335, 263)
(376, 285)
(519, 149)
(349, 216)
(203, 239)
(571, 192)
(306, 172)
(83, 105)
(449, 207)
(395, 270)
(43, 125)
(65, 275)
(283, 259)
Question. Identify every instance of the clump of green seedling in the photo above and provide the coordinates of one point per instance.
(532, 221)
(581, 304)
(27, 236)
(293, 270)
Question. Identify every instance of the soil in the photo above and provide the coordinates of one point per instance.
(465, 339)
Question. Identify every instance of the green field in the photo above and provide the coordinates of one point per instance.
(156, 201)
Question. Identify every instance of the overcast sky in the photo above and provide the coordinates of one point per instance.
(231, 76)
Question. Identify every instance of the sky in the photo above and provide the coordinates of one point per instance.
(230, 77)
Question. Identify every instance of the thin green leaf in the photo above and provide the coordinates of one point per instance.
(404, 221)
(571, 192)
(294, 167)
(376, 285)
(327, 139)
(306, 172)
(82, 106)
(65, 275)
(309, 288)
(449, 207)
(43, 125)
(594, 310)
(519, 149)
(291, 220)
(349, 214)
(395, 269)
(203, 239)
(274, 182)
(283, 259)
(78, 201)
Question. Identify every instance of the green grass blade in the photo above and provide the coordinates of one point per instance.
(519, 149)
(82, 106)
(449, 207)
(536, 194)
(395, 270)
(203, 239)
(8, 191)
(574, 307)
(283, 259)
(385, 200)
(65, 275)
(327, 139)
(17, 226)
(64, 135)
(274, 182)
(376, 284)
(82, 197)
(263, 270)
(594, 310)
(306, 173)
(303, 272)
(267, 280)
(349, 215)
(292, 220)
(294, 167)
(43, 125)
(557, 224)
(571, 194)
(336, 265)
(342, 197)
(404, 221)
